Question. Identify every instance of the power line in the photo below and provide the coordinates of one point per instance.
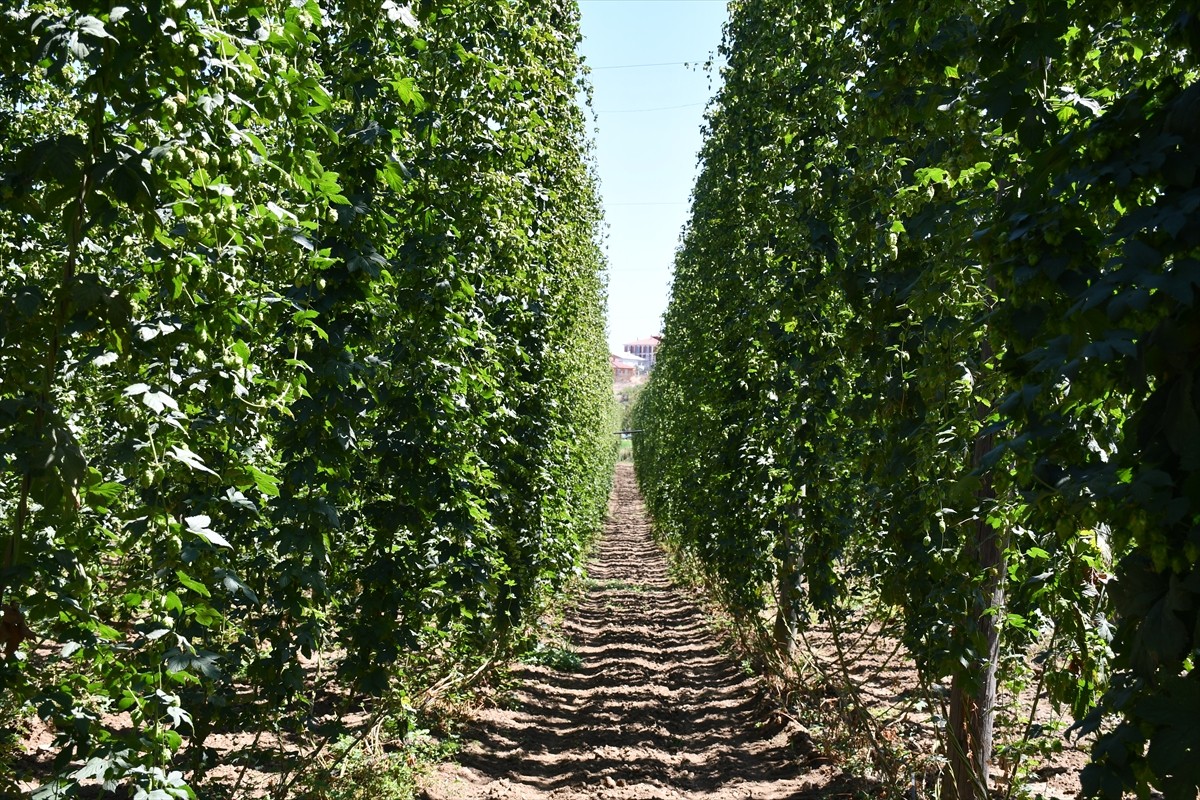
(657, 64)
(644, 110)
(658, 203)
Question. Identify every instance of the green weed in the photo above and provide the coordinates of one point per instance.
(559, 657)
(374, 772)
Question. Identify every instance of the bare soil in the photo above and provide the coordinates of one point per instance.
(656, 705)
(656, 708)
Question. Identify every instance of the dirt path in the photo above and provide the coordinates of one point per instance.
(655, 710)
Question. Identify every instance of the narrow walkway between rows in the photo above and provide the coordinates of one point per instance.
(656, 708)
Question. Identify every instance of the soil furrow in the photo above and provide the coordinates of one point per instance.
(655, 709)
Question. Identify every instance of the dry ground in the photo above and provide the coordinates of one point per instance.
(656, 709)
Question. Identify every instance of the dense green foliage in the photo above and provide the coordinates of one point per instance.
(302, 363)
(933, 327)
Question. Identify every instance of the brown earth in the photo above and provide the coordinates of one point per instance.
(656, 708)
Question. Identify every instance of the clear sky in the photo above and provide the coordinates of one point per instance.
(647, 121)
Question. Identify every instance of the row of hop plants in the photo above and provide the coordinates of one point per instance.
(304, 398)
(932, 341)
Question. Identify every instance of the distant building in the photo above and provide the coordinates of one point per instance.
(625, 367)
(645, 349)
(622, 370)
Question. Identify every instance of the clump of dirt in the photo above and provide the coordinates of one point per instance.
(654, 708)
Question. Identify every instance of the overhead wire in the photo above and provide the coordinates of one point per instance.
(644, 110)
(655, 64)
(651, 203)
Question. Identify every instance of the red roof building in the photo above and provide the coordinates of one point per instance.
(623, 371)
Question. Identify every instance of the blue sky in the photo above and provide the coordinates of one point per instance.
(647, 133)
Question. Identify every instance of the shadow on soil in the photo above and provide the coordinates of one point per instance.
(654, 709)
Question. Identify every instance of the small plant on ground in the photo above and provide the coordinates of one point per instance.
(555, 655)
(370, 769)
